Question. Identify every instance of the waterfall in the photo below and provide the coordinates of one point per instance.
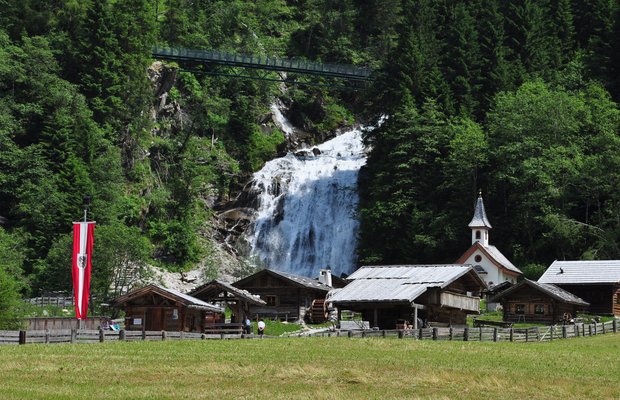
(306, 217)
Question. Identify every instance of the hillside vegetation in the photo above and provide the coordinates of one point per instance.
(517, 98)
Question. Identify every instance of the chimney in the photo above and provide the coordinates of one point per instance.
(325, 277)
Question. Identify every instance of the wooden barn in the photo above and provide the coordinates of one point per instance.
(535, 302)
(287, 296)
(238, 300)
(393, 295)
(596, 282)
(154, 308)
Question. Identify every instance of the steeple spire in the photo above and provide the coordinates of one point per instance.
(480, 224)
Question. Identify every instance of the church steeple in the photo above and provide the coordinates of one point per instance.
(479, 224)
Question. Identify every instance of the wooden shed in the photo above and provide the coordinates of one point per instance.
(225, 294)
(389, 295)
(287, 296)
(597, 282)
(535, 302)
(154, 308)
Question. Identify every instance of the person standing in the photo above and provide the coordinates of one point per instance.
(261, 327)
(248, 325)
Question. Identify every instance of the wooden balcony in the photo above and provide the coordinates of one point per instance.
(459, 301)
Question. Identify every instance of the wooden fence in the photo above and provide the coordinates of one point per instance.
(486, 334)
(481, 334)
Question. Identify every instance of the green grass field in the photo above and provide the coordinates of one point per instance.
(314, 368)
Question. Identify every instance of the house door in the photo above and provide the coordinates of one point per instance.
(153, 319)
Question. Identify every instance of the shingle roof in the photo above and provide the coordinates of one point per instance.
(216, 287)
(582, 272)
(296, 279)
(480, 216)
(186, 299)
(304, 281)
(397, 283)
(551, 290)
(500, 258)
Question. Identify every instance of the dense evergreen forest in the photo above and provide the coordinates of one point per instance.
(517, 99)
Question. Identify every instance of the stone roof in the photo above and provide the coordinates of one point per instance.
(547, 288)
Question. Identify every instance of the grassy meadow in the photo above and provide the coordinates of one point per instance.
(314, 368)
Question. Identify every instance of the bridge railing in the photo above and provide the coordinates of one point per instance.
(273, 63)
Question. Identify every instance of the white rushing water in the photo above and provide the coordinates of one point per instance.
(307, 209)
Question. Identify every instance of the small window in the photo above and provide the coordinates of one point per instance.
(520, 309)
(272, 301)
(478, 258)
(477, 234)
(539, 309)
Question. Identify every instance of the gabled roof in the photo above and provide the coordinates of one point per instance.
(215, 290)
(492, 254)
(296, 280)
(582, 272)
(547, 288)
(171, 294)
(480, 219)
(399, 283)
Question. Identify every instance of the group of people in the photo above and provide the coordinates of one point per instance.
(247, 326)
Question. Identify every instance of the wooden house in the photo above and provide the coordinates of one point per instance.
(597, 282)
(287, 296)
(154, 308)
(492, 266)
(392, 294)
(535, 302)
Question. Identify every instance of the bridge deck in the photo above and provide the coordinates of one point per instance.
(215, 57)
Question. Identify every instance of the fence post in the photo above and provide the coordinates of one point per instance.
(22, 337)
(595, 329)
(435, 333)
(614, 325)
(121, 335)
(603, 326)
(495, 336)
(420, 333)
(511, 334)
(527, 334)
(480, 333)
(73, 335)
(101, 335)
(551, 337)
(143, 334)
(364, 334)
(47, 336)
(349, 334)
(537, 334)
(451, 333)
(563, 331)
(163, 335)
(466, 334)
(401, 333)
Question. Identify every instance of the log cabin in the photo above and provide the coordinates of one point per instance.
(596, 282)
(154, 308)
(393, 295)
(535, 302)
(287, 296)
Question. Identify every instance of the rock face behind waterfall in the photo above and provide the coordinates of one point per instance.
(306, 205)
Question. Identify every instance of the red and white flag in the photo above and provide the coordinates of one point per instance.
(83, 239)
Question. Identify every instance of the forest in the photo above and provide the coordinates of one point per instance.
(516, 99)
